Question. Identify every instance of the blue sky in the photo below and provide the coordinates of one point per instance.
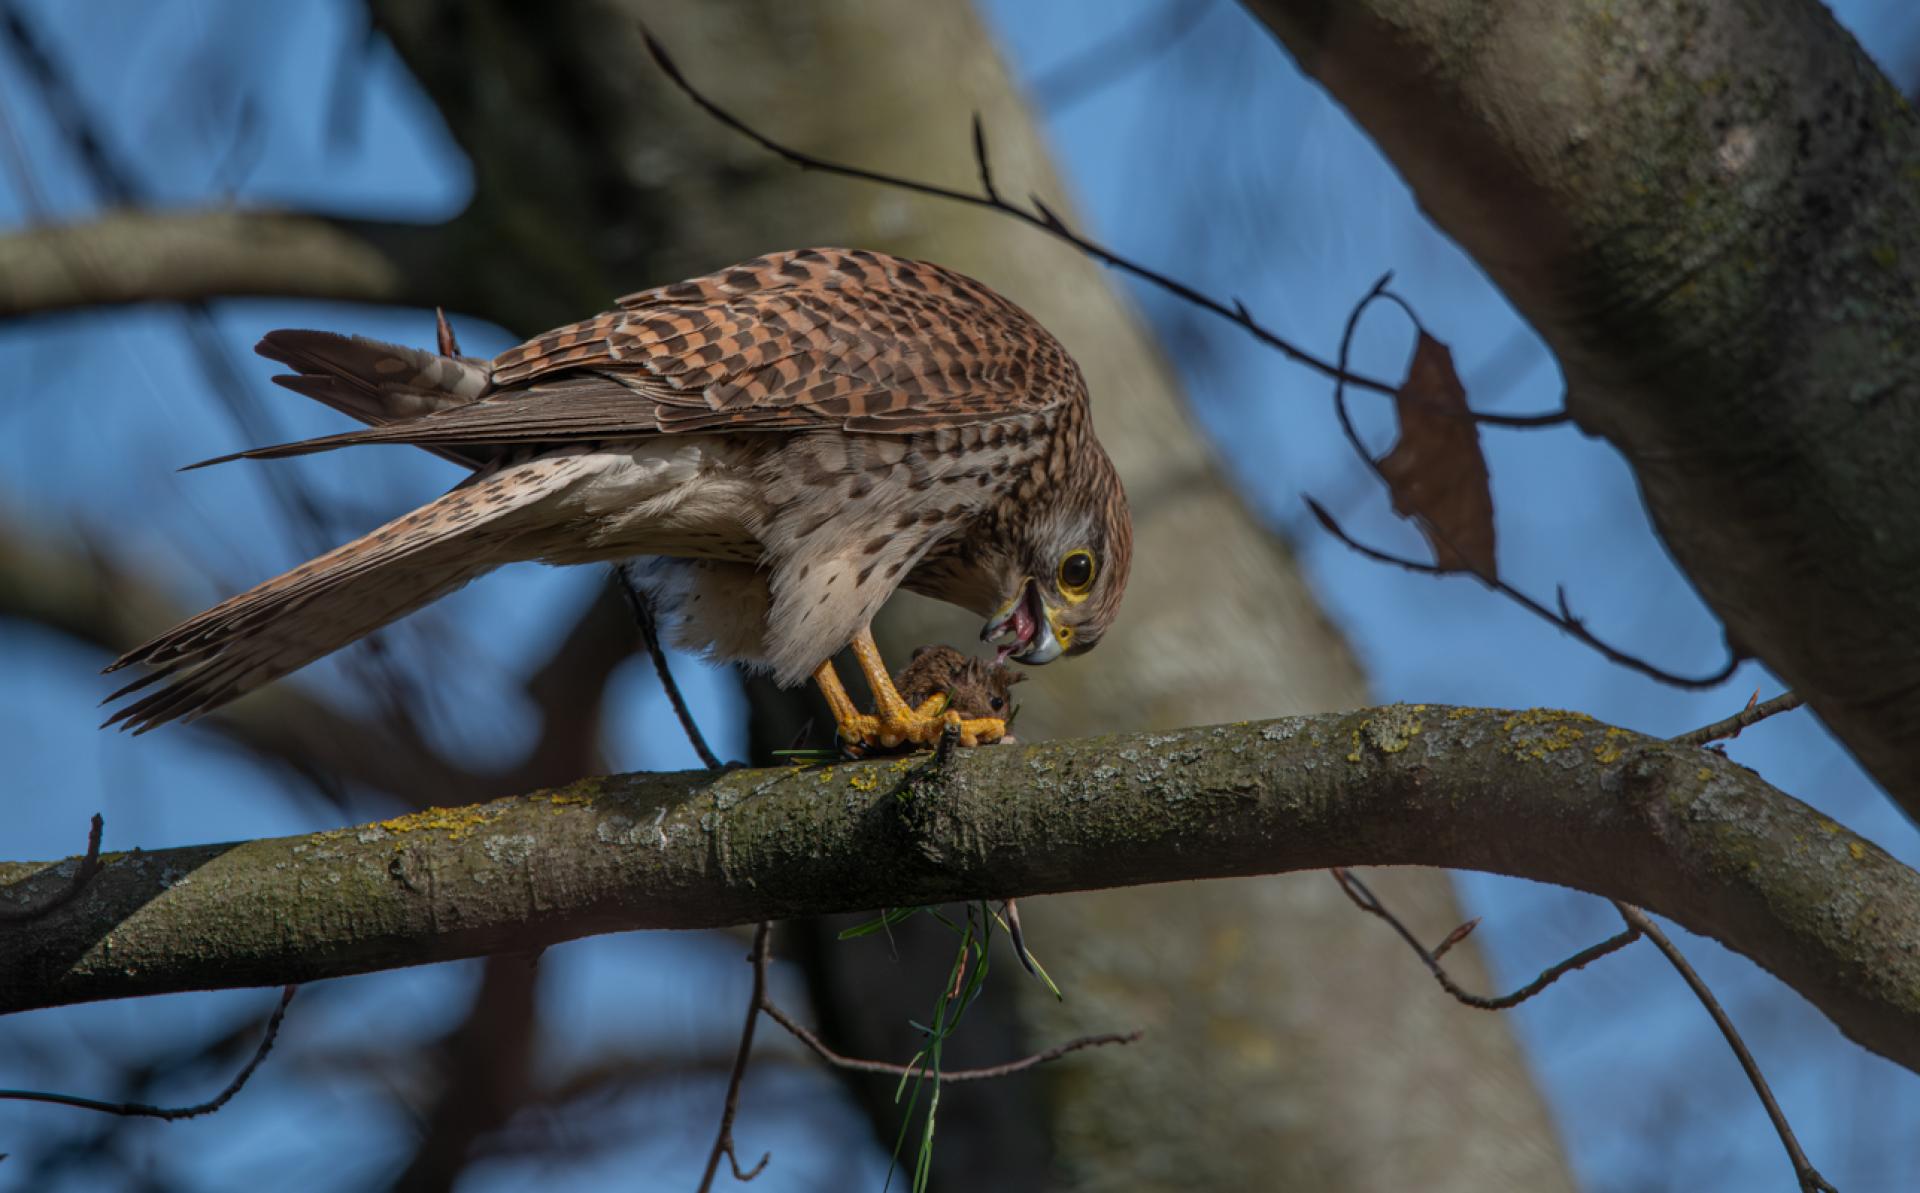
(1212, 158)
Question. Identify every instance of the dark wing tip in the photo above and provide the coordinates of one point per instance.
(226, 459)
(284, 343)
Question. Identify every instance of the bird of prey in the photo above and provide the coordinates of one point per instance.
(780, 445)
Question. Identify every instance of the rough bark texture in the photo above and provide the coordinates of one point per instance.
(1544, 795)
(1708, 210)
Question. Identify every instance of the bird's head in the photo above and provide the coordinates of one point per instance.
(1061, 582)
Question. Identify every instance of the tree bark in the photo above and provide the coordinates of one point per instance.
(1708, 210)
(1544, 795)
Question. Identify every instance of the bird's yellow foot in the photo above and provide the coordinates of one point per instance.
(894, 722)
(918, 726)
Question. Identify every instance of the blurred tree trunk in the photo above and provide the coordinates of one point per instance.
(1291, 1042)
(1283, 1029)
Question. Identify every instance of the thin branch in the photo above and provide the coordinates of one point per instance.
(1364, 898)
(1752, 714)
(1010, 909)
(89, 866)
(1564, 618)
(170, 1113)
(1571, 625)
(1046, 220)
(32, 198)
(1809, 1177)
(762, 1002)
(947, 1076)
(723, 1140)
(649, 623)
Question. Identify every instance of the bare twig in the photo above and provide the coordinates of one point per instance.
(170, 1113)
(1638, 924)
(1564, 618)
(1011, 911)
(723, 1141)
(1638, 921)
(946, 1076)
(1044, 219)
(1364, 898)
(89, 866)
(762, 1002)
(1752, 714)
(649, 623)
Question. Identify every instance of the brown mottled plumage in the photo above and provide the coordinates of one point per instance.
(784, 442)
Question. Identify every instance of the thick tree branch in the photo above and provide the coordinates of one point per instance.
(1543, 795)
(175, 256)
(1707, 209)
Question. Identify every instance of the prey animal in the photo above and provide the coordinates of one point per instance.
(780, 445)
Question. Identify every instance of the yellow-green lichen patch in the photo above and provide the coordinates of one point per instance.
(864, 780)
(578, 794)
(1389, 732)
(1607, 750)
(1539, 733)
(454, 822)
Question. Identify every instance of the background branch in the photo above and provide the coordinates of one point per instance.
(179, 256)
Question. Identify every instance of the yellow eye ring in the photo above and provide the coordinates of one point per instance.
(1075, 575)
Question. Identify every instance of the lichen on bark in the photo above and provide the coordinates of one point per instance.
(1539, 794)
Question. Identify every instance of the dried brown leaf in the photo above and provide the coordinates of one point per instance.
(1436, 471)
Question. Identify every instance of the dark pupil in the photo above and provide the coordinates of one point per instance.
(1078, 572)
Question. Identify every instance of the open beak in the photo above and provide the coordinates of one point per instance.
(1024, 629)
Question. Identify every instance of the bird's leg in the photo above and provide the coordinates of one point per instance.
(922, 725)
(855, 726)
(893, 721)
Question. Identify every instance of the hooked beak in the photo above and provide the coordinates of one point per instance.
(1024, 629)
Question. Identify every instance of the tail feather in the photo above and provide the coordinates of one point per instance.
(375, 382)
(322, 605)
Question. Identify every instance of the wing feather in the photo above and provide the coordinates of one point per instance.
(819, 338)
(315, 609)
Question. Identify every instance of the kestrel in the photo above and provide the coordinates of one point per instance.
(780, 445)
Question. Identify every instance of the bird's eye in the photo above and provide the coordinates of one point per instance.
(1076, 572)
(998, 703)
